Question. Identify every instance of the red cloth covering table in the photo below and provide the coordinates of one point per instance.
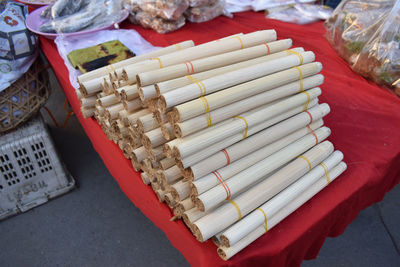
(365, 123)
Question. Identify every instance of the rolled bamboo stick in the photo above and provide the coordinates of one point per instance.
(169, 176)
(140, 154)
(112, 112)
(201, 51)
(108, 100)
(192, 215)
(146, 92)
(205, 120)
(211, 180)
(169, 200)
(232, 78)
(249, 200)
(145, 178)
(166, 86)
(204, 153)
(196, 107)
(256, 172)
(168, 131)
(159, 52)
(249, 223)
(166, 163)
(129, 92)
(180, 190)
(133, 117)
(212, 62)
(241, 123)
(153, 138)
(132, 105)
(147, 123)
(183, 206)
(155, 154)
(88, 102)
(160, 195)
(226, 253)
(262, 138)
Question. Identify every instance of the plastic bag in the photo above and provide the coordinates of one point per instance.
(299, 13)
(205, 13)
(129, 38)
(66, 16)
(366, 34)
(258, 5)
(18, 46)
(196, 3)
(158, 24)
(165, 9)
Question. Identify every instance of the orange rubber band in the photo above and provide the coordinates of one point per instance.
(223, 183)
(313, 133)
(269, 50)
(228, 159)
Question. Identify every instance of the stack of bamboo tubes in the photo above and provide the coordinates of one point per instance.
(229, 134)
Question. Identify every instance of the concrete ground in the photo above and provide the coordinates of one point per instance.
(97, 225)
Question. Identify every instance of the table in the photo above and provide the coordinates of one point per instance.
(365, 123)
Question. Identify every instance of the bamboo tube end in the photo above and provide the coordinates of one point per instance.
(145, 178)
(188, 174)
(141, 94)
(178, 211)
(138, 81)
(146, 142)
(174, 193)
(179, 163)
(193, 191)
(87, 113)
(160, 195)
(124, 75)
(157, 88)
(170, 200)
(177, 154)
(197, 233)
(185, 219)
(177, 130)
(215, 241)
(222, 254)
(175, 115)
(165, 133)
(135, 165)
(162, 104)
(167, 151)
(199, 204)
(224, 241)
(158, 116)
(82, 89)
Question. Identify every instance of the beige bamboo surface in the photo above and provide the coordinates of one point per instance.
(226, 253)
(257, 140)
(257, 171)
(232, 78)
(196, 107)
(211, 180)
(204, 153)
(227, 214)
(216, 134)
(212, 62)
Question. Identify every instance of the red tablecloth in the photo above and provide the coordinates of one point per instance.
(365, 123)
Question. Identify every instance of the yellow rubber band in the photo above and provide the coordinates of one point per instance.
(237, 209)
(265, 218)
(179, 46)
(207, 110)
(297, 54)
(307, 160)
(308, 100)
(159, 61)
(328, 178)
(301, 78)
(199, 84)
(241, 42)
(247, 126)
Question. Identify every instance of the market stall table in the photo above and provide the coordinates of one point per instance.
(365, 121)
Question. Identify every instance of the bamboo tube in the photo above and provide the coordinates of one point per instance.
(166, 163)
(205, 120)
(129, 93)
(108, 100)
(139, 153)
(249, 223)
(87, 112)
(155, 154)
(227, 214)
(153, 138)
(147, 123)
(160, 195)
(169, 200)
(166, 86)
(201, 51)
(211, 180)
(163, 51)
(180, 190)
(88, 102)
(113, 111)
(215, 134)
(167, 131)
(132, 118)
(204, 153)
(170, 175)
(146, 92)
(184, 205)
(145, 178)
(226, 253)
(160, 117)
(232, 78)
(196, 107)
(262, 138)
(90, 87)
(192, 215)
(212, 62)
(132, 105)
(243, 179)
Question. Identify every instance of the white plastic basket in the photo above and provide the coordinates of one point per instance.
(30, 170)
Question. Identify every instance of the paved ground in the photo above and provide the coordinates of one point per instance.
(96, 225)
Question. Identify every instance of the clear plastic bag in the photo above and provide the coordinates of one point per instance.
(196, 3)
(156, 23)
(366, 34)
(165, 9)
(205, 13)
(66, 16)
(299, 13)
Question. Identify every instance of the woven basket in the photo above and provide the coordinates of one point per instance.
(24, 97)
